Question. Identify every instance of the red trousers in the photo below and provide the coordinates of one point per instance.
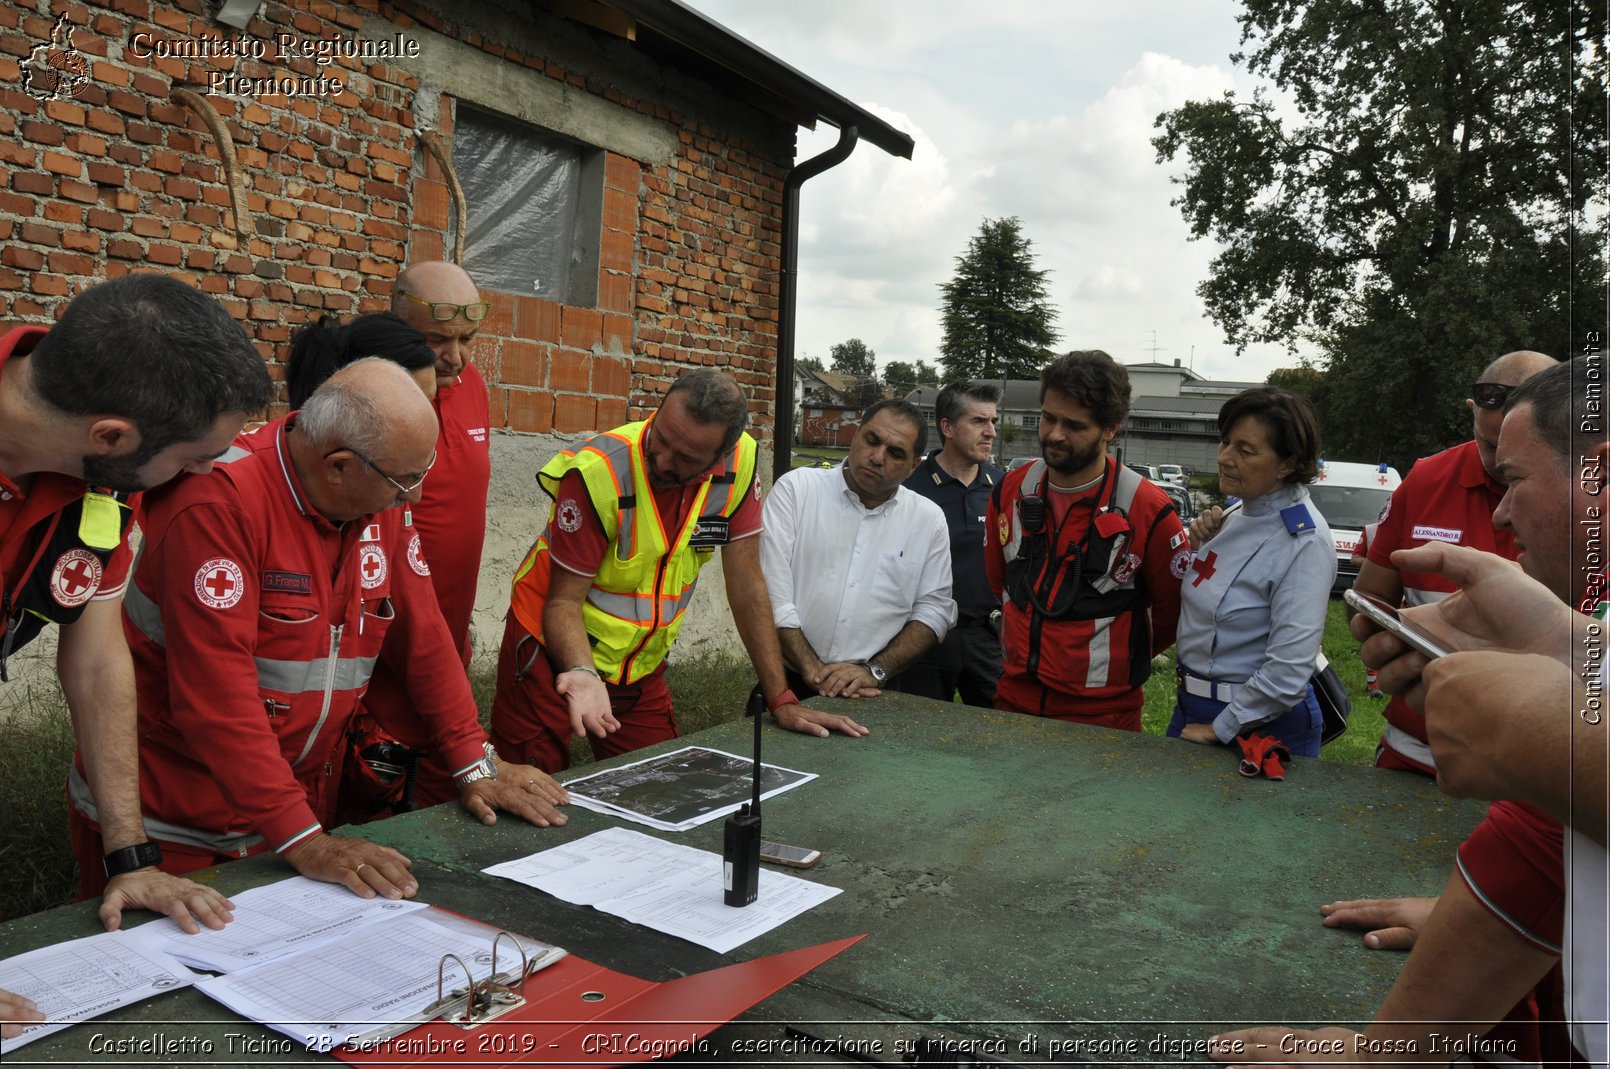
(531, 720)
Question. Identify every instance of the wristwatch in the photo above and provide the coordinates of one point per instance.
(138, 856)
(485, 768)
(879, 676)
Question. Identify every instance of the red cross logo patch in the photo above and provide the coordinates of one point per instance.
(371, 566)
(1203, 567)
(220, 583)
(416, 557)
(75, 578)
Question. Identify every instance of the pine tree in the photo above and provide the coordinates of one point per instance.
(998, 322)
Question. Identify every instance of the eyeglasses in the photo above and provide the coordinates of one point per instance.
(1491, 395)
(443, 312)
(401, 488)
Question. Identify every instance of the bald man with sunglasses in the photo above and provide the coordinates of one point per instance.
(1449, 497)
(441, 301)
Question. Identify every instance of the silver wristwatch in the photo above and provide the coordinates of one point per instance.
(879, 676)
(485, 768)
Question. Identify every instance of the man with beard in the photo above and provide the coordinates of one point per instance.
(140, 379)
(857, 565)
(599, 599)
(1088, 556)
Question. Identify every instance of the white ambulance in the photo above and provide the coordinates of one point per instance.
(1350, 496)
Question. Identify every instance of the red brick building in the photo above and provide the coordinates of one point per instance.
(349, 127)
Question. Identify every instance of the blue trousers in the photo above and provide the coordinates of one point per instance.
(1298, 727)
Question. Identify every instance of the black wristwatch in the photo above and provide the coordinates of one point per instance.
(138, 856)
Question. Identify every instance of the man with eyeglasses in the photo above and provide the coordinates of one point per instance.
(267, 591)
(1449, 497)
(441, 301)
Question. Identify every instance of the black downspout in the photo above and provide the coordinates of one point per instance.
(783, 424)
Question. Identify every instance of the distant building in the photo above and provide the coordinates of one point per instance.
(1173, 416)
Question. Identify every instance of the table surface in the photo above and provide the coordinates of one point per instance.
(1019, 879)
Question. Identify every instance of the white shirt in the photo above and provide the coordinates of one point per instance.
(850, 577)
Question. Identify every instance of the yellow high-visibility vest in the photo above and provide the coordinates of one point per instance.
(634, 609)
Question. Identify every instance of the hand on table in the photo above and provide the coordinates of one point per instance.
(524, 790)
(1394, 923)
(362, 867)
(16, 1011)
(845, 679)
(796, 717)
(186, 901)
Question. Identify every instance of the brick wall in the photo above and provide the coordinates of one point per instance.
(116, 177)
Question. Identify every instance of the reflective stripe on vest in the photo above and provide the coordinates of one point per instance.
(635, 604)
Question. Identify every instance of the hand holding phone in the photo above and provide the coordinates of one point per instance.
(1386, 617)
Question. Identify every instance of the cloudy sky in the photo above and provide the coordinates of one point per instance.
(1041, 109)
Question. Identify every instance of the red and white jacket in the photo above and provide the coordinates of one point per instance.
(255, 623)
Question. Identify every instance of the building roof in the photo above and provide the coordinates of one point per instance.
(673, 29)
(1196, 405)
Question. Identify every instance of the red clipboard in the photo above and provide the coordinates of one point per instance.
(578, 1014)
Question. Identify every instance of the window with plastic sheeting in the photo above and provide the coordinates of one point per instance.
(535, 204)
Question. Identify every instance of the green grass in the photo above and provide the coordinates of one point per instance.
(37, 870)
(1364, 727)
(811, 456)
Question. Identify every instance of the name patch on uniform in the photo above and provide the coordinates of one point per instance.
(709, 532)
(1427, 533)
(288, 582)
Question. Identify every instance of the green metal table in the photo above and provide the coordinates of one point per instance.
(1030, 888)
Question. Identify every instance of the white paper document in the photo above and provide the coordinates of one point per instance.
(669, 887)
(274, 920)
(352, 989)
(682, 789)
(85, 978)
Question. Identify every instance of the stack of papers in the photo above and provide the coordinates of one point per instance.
(682, 789)
(665, 886)
(84, 978)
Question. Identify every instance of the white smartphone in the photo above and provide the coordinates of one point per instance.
(1386, 618)
(795, 857)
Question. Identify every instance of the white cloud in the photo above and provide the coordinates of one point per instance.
(1017, 107)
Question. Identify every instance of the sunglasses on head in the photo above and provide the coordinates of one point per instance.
(444, 312)
(1490, 395)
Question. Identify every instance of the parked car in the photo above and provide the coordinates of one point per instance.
(1172, 473)
(1182, 501)
(1146, 470)
(1351, 496)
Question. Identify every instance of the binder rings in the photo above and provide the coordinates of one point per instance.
(580, 1014)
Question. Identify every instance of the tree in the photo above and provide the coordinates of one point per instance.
(997, 321)
(812, 362)
(855, 358)
(1429, 207)
(902, 377)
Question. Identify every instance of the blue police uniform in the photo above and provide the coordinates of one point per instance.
(1252, 612)
(968, 658)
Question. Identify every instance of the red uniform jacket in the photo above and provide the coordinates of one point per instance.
(1089, 666)
(255, 624)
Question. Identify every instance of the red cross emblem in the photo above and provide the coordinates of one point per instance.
(220, 583)
(75, 578)
(371, 566)
(1203, 567)
(1381, 478)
